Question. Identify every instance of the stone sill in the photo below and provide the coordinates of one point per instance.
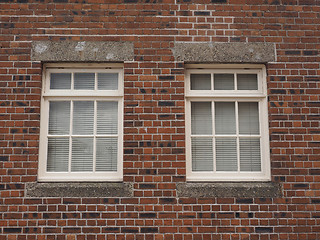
(230, 189)
(79, 189)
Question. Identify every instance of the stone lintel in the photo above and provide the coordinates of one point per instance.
(86, 51)
(211, 52)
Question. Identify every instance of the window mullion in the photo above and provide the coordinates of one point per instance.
(237, 135)
(72, 81)
(70, 135)
(213, 136)
(94, 135)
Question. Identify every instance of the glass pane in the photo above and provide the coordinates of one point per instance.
(60, 81)
(250, 159)
(200, 81)
(82, 155)
(58, 155)
(247, 82)
(59, 117)
(201, 118)
(107, 81)
(223, 82)
(248, 118)
(107, 152)
(83, 117)
(84, 81)
(202, 154)
(107, 118)
(225, 120)
(226, 154)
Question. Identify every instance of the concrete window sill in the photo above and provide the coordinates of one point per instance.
(225, 190)
(79, 190)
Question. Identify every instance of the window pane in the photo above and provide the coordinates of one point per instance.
(107, 151)
(201, 118)
(84, 81)
(59, 117)
(58, 155)
(223, 82)
(82, 155)
(60, 81)
(250, 159)
(248, 118)
(202, 154)
(83, 118)
(107, 118)
(225, 120)
(107, 81)
(226, 154)
(247, 82)
(200, 81)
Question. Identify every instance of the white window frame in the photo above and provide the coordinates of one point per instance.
(92, 95)
(259, 96)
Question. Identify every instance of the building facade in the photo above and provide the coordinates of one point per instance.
(161, 119)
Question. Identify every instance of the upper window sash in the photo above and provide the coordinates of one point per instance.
(221, 85)
(94, 89)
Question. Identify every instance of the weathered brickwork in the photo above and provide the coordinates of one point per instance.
(154, 119)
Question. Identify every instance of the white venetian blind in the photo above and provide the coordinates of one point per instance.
(107, 151)
(59, 117)
(226, 154)
(60, 81)
(250, 158)
(202, 154)
(247, 82)
(248, 118)
(201, 118)
(83, 117)
(84, 81)
(225, 120)
(223, 82)
(82, 154)
(58, 154)
(200, 81)
(107, 117)
(107, 81)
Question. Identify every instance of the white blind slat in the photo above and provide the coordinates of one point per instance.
(201, 118)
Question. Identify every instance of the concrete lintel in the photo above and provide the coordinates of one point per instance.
(79, 189)
(224, 190)
(86, 51)
(239, 52)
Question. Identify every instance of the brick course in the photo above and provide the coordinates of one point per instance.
(154, 125)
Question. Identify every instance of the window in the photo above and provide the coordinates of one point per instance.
(81, 123)
(227, 124)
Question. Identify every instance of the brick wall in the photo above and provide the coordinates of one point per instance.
(154, 125)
